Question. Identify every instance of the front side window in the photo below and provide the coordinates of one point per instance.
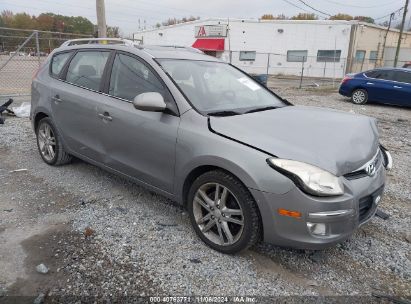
(130, 77)
(86, 69)
(217, 86)
(57, 63)
(297, 56)
(328, 55)
(247, 55)
(402, 76)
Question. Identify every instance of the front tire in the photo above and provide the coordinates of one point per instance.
(223, 212)
(359, 96)
(50, 145)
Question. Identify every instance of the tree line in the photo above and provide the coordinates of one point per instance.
(308, 16)
(64, 28)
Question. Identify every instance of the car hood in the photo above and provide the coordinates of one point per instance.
(335, 141)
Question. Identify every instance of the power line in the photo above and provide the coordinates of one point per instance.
(394, 12)
(313, 8)
(359, 6)
(290, 3)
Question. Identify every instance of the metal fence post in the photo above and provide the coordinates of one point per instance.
(302, 72)
(38, 47)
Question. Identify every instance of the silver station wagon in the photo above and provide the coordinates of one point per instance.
(246, 163)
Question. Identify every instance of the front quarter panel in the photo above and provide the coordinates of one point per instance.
(198, 146)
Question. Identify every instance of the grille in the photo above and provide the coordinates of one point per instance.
(366, 205)
(361, 172)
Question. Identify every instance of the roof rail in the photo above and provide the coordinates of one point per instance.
(100, 41)
(189, 48)
(126, 42)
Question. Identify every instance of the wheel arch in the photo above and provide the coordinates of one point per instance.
(192, 175)
(37, 117)
(358, 87)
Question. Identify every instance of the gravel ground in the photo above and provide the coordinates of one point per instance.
(101, 235)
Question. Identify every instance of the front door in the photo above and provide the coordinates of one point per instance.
(138, 143)
(402, 88)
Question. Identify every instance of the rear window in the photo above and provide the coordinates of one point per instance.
(57, 63)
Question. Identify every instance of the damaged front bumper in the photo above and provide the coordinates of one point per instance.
(323, 221)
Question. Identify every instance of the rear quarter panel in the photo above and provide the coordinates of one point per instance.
(40, 92)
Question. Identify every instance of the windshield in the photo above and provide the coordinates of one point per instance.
(215, 87)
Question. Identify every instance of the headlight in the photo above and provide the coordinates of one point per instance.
(308, 178)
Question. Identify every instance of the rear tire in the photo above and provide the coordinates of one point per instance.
(228, 222)
(50, 144)
(359, 96)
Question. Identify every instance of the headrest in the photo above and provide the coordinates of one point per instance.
(86, 70)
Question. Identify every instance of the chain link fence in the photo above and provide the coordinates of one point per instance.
(23, 51)
(21, 54)
(302, 71)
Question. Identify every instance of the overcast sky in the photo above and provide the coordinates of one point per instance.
(126, 13)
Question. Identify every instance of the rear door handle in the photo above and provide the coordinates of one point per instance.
(372, 83)
(57, 99)
(397, 87)
(105, 116)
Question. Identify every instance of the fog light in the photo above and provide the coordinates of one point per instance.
(317, 228)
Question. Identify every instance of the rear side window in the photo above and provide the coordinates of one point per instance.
(130, 77)
(371, 74)
(86, 69)
(57, 63)
(380, 74)
(402, 76)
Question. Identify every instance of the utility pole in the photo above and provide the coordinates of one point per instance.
(385, 38)
(397, 53)
(101, 19)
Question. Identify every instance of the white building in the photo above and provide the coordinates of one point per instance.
(323, 48)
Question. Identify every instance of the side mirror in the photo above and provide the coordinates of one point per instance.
(150, 101)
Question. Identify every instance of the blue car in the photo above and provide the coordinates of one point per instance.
(384, 85)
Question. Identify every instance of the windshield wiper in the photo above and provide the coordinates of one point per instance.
(262, 109)
(223, 113)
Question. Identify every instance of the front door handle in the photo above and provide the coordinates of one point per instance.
(57, 99)
(397, 87)
(105, 116)
(372, 83)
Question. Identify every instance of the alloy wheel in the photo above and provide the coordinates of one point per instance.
(218, 214)
(358, 97)
(47, 142)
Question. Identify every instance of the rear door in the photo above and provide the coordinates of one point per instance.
(75, 99)
(138, 143)
(402, 88)
(379, 85)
